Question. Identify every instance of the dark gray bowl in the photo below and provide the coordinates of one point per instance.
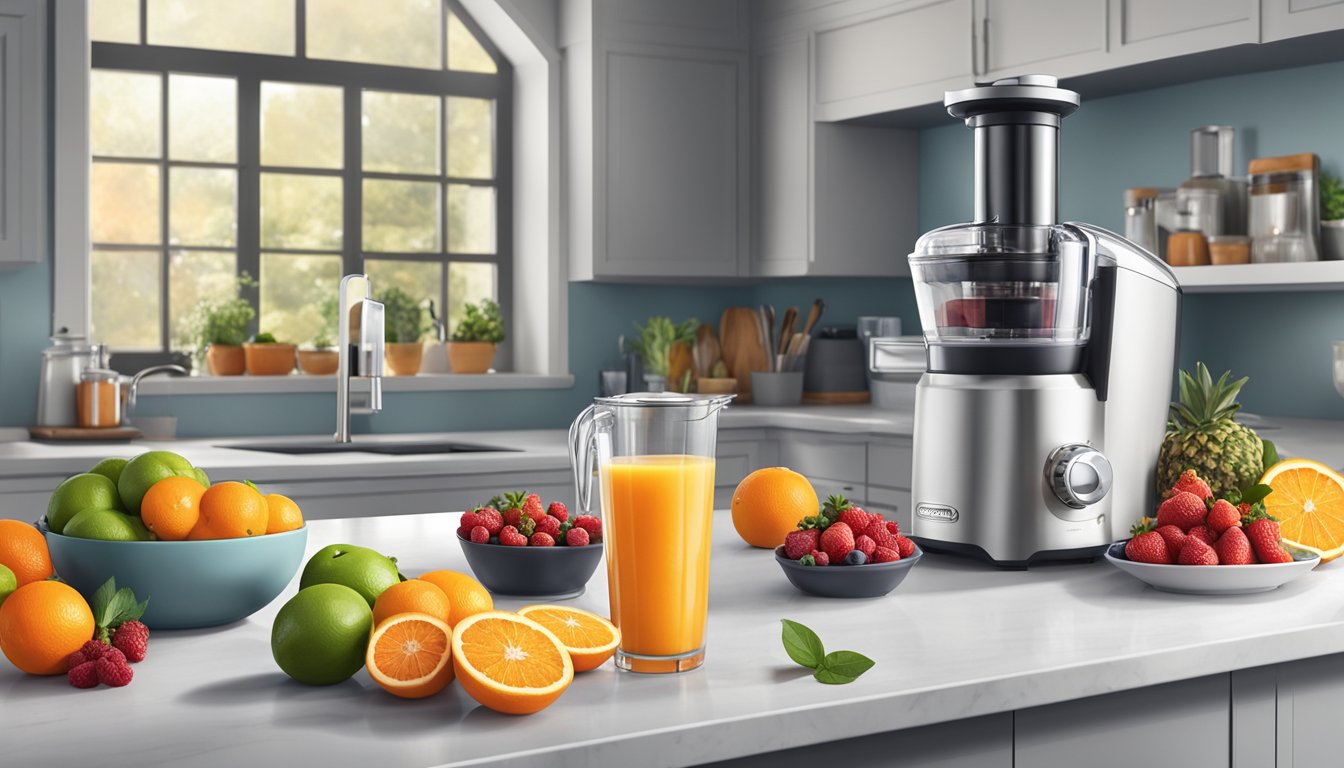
(554, 572)
(867, 580)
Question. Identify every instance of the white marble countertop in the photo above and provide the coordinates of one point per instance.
(957, 639)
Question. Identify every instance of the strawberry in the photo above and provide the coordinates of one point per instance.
(1263, 533)
(591, 524)
(856, 519)
(884, 555)
(905, 546)
(1189, 482)
(1147, 546)
(884, 538)
(509, 536)
(865, 544)
(837, 540)
(1233, 547)
(1222, 515)
(820, 558)
(540, 539)
(1197, 552)
(576, 537)
(1175, 539)
(548, 525)
(799, 543)
(558, 510)
(512, 517)
(491, 519)
(1204, 533)
(834, 505)
(532, 507)
(1184, 510)
(874, 529)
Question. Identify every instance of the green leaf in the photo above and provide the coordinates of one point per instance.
(1270, 455)
(1256, 493)
(103, 598)
(846, 664)
(802, 644)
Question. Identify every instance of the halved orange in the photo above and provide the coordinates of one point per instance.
(510, 663)
(1308, 500)
(589, 638)
(410, 655)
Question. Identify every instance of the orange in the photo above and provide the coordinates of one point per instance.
(768, 504)
(171, 507)
(466, 594)
(589, 638)
(413, 596)
(1308, 501)
(24, 551)
(284, 514)
(510, 663)
(41, 624)
(231, 511)
(410, 655)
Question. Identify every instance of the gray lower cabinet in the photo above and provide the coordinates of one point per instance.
(1308, 705)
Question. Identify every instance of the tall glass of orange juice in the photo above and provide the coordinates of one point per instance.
(654, 459)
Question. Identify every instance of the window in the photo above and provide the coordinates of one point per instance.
(293, 141)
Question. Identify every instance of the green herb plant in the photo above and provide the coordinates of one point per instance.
(404, 319)
(113, 607)
(835, 668)
(480, 322)
(1332, 197)
(656, 338)
(327, 332)
(264, 338)
(223, 322)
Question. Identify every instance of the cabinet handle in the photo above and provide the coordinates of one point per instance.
(985, 36)
(975, 72)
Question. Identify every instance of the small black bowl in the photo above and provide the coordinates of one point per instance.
(554, 572)
(867, 580)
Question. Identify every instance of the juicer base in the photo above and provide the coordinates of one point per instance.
(1079, 555)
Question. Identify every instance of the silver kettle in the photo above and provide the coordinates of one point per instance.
(62, 364)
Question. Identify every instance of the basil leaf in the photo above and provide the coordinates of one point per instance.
(1270, 454)
(846, 664)
(830, 677)
(1256, 493)
(802, 644)
(102, 599)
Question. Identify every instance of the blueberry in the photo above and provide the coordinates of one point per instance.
(494, 539)
(855, 557)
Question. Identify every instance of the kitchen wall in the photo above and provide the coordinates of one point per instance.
(1282, 341)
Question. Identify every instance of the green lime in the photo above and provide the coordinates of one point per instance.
(78, 493)
(104, 525)
(144, 471)
(201, 477)
(319, 637)
(8, 582)
(110, 468)
(362, 569)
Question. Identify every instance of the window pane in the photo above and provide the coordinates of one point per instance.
(124, 203)
(471, 219)
(468, 283)
(202, 205)
(401, 133)
(124, 287)
(202, 118)
(193, 277)
(399, 32)
(465, 52)
(293, 288)
(300, 211)
(124, 113)
(471, 137)
(114, 21)
(419, 279)
(401, 216)
(301, 125)
(249, 26)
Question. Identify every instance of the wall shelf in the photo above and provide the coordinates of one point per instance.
(1255, 278)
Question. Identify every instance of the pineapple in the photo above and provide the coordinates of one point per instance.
(1202, 436)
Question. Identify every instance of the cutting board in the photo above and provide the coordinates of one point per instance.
(83, 433)
(740, 338)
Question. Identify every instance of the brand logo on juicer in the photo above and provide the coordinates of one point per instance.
(938, 512)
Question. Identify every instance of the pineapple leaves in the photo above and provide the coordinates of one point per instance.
(1204, 401)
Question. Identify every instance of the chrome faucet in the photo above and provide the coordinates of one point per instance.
(361, 352)
(133, 391)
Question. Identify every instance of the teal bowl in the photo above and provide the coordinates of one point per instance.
(189, 584)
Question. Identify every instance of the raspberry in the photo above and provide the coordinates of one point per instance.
(576, 537)
(83, 675)
(865, 544)
(893, 528)
(820, 558)
(114, 672)
(540, 539)
(549, 526)
(590, 524)
(510, 537)
(480, 535)
(799, 543)
(74, 660)
(837, 540)
(885, 555)
(491, 519)
(558, 510)
(90, 651)
(132, 639)
(532, 507)
(470, 520)
(905, 546)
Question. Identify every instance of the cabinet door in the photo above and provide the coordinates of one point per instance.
(1148, 30)
(828, 487)
(893, 59)
(783, 167)
(814, 455)
(1282, 19)
(23, 155)
(893, 504)
(734, 460)
(1061, 37)
(1310, 698)
(674, 166)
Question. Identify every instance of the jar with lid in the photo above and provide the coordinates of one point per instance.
(98, 399)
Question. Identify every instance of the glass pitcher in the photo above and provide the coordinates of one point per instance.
(654, 455)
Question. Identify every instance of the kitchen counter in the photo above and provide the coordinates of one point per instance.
(956, 640)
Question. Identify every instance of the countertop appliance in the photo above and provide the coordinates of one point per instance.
(1051, 349)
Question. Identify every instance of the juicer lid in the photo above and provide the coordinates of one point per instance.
(1025, 98)
(662, 399)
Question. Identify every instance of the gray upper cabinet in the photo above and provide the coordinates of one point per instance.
(1282, 19)
(1147, 30)
(23, 147)
(657, 138)
(1061, 37)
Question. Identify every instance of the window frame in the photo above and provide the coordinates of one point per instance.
(249, 70)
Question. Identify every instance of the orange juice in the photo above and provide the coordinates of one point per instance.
(657, 512)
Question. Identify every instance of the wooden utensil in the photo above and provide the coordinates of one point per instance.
(765, 321)
(679, 364)
(707, 351)
(785, 336)
(813, 317)
(741, 347)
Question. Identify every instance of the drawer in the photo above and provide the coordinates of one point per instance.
(855, 492)
(820, 456)
(735, 459)
(890, 463)
(893, 504)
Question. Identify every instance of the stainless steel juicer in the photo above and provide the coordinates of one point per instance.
(1051, 349)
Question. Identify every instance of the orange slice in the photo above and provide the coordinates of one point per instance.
(410, 655)
(510, 663)
(589, 638)
(1308, 500)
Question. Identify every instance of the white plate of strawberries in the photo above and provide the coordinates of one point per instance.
(1194, 529)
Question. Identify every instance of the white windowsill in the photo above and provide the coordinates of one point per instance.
(299, 383)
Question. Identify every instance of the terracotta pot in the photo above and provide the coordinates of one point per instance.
(269, 359)
(225, 360)
(319, 362)
(403, 357)
(470, 356)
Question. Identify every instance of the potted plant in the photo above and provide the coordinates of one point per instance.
(1332, 217)
(471, 349)
(662, 342)
(267, 357)
(323, 359)
(403, 325)
(220, 328)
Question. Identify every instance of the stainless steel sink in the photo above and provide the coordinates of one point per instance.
(403, 448)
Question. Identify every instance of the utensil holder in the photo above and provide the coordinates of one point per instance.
(777, 388)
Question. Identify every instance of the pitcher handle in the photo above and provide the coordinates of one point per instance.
(582, 449)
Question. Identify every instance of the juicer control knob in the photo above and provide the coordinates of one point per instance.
(1079, 475)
